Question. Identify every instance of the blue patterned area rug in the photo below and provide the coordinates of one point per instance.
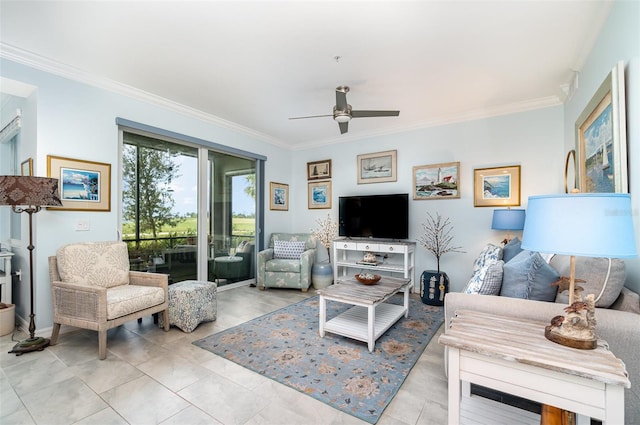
(285, 346)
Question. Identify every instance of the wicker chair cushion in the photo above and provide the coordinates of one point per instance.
(103, 264)
(126, 299)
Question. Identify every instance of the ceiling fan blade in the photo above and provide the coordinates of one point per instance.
(310, 116)
(341, 98)
(344, 127)
(365, 114)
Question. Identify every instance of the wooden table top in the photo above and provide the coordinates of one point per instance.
(351, 290)
(523, 341)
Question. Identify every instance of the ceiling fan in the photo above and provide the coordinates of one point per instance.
(342, 112)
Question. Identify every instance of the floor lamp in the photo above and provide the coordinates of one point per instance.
(29, 194)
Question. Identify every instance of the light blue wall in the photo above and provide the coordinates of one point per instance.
(618, 40)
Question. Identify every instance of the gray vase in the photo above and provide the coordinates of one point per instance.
(321, 275)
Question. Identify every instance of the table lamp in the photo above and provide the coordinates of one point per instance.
(508, 220)
(581, 224)
(29, 194)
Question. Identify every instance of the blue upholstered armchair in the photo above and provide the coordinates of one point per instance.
(287, 262)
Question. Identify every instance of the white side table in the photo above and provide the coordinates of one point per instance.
(5, 277)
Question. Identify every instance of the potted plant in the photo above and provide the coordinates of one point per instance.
(321, 271)
(437, 239)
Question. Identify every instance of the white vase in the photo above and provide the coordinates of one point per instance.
(321, 275)
(7, 319)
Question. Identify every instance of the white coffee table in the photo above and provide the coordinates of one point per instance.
(370, 316)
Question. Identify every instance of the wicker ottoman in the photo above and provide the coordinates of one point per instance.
(192, 302)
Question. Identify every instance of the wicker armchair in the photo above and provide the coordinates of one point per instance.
(92, 288)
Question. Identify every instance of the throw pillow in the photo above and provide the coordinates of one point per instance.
(511, 249)
(492, 279)
(594, 271)
(528, 276)
(103, 264)
(489, 255)
(288, 250)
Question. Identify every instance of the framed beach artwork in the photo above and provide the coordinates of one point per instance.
(377, 167)
(83, 185)
(319, 195)
(601, 138)
(278, 196)
(436, 181)
(319, 170)
(496, 187)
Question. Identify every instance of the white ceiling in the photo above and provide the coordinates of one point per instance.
(252, 65)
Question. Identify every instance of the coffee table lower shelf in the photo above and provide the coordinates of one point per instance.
(354, 323)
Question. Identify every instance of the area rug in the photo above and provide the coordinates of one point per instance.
(285, 346)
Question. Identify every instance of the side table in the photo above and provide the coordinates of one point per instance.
(513, 356)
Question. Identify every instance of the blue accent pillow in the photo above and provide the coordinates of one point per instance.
(511, 249)
(528, 276)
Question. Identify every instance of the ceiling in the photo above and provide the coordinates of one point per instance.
(253, 65)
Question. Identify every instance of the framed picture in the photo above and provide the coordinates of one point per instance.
(83, 185)
(279, 196)
(319, 195)
(319, 170)
(496, 187)
(26, 167)
(436, 181)
(601, 138)
(377, 167)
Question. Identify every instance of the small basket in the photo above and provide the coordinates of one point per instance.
(376, 278)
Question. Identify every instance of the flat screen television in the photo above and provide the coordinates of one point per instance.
(374, 216)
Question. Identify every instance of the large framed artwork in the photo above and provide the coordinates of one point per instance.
(496, 187)
(601, 138)
(84, 185)
(279, 196)
(436, 181)
(377, 167)
(319, 194)
(319, 170)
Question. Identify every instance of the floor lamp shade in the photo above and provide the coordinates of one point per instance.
(508, 219)
(583, 224)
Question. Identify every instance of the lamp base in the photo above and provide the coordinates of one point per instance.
(30, 344)
(568, 341)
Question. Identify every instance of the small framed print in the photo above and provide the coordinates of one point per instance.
(84, 185)
(496, 187)
(319, 170)
(377, 167)
(26, 167)
(279, 196)
(436, 181)
(319, 195)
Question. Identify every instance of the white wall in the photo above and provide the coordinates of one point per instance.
(619, 40)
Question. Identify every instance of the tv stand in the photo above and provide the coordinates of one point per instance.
(398, 257)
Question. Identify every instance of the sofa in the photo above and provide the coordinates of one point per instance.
(617, 309)
(287, 262)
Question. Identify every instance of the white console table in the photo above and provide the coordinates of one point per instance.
(397, 257)
(5, 277)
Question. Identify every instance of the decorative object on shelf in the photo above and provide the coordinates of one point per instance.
(436, 239)
(278, 196)
(377, 167)
(368, 278)
(83, 185)
(325, 233)
(496, 187)
(319, 170)
(508, 220)
(370, 257)
(436, 181)
(26, 167)
(319, 196)
(601, 138)
(582, 224)
(29, 194)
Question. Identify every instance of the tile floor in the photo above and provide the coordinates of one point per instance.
(153, 377)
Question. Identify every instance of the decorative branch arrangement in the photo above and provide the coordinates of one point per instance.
(327, 231)
(437, 237)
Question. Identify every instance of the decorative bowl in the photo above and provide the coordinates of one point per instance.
(366, 279)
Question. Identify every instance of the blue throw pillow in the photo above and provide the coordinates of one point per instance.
(511, 249)
(528, 276)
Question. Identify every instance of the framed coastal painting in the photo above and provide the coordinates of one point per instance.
(436, 181)
(278, 196)
(377, 167)
(496, 187)
(601, 139)
(319, 195)
(83, 185)
(319, 170)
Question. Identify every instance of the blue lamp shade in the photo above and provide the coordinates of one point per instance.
(583, 224)
(508, 219)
